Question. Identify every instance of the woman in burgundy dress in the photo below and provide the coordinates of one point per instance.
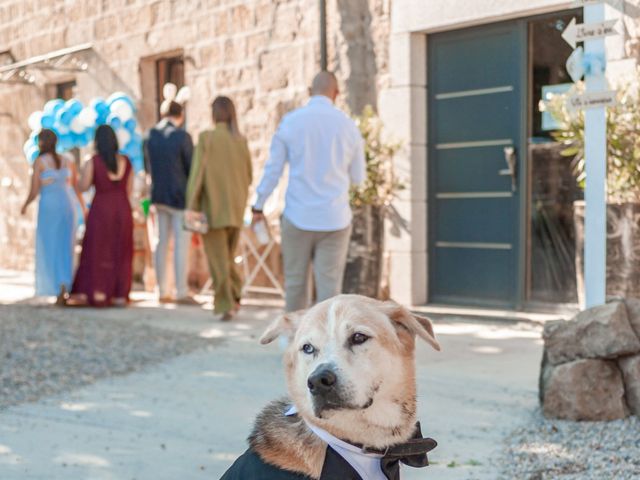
(104, 274)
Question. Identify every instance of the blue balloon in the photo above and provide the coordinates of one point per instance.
(63, 118)
(131, 125)
(102, 110)
(65, 142)
(114, 121)
(52, 106)
(47, 121)
(73, 106)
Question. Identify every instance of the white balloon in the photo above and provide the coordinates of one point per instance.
(184, 94)
(88, 117)
(76, 125)
(123, 137)
(34, 121)
(122, 110)
(169, 91)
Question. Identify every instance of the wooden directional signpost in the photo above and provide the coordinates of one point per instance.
(591, 64)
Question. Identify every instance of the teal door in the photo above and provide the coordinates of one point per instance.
(476, 102)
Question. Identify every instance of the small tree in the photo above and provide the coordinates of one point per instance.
(381, 185)
(623, 139)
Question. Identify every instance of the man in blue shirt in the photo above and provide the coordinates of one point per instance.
(168, 149)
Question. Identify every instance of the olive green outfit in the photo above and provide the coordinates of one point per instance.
(219, 186)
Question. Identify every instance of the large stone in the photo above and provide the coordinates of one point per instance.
(600, 332)
(590, 390)
(633, 312)
(630, 367)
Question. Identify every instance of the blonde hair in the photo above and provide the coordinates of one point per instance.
(224, 111)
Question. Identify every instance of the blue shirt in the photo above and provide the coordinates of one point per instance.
(325, 153)
(167, 151)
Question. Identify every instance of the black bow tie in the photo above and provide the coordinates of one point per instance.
(413, 453)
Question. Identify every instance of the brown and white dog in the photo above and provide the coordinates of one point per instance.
(350, 371)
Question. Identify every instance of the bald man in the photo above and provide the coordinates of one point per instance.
(325, 153)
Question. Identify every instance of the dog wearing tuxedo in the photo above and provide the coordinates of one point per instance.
(351, 411)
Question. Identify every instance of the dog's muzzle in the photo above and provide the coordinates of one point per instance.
(325, 389)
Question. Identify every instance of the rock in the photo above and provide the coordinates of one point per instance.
(590, 390)
(633, 312)
(600, 332)
(630, 367)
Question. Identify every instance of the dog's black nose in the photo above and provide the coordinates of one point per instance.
(321, 380)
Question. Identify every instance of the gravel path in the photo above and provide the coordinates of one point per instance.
(47, 350)
(555, 449)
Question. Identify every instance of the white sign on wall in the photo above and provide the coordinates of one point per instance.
(607, 98)
(582, 31)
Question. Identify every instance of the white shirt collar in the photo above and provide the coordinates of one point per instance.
(366, 464)
(321, 99)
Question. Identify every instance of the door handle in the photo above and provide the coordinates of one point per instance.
(511, 158)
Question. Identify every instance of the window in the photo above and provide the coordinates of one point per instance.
(65, 90)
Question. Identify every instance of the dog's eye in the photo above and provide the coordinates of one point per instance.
(358, 338)
(308, 348)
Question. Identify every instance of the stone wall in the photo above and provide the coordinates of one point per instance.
(262, 53)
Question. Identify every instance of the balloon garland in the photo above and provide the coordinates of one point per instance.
(75, 125)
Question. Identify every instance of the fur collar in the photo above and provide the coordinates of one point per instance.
(286, 441)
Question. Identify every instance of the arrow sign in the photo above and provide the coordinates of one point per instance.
(581, 32)
(593, 99)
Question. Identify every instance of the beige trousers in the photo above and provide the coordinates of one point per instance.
(302, 249)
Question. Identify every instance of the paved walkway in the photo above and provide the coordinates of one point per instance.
(187, 418)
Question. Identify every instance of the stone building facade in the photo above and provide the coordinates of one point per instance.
(443, 245)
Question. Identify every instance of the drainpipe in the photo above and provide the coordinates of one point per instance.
(323, 35)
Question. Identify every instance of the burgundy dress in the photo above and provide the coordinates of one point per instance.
(107, 247)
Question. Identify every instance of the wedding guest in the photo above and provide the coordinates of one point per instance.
(54, 179)
(104, 274)
(325, 153)
(168, 149)
(219, 186)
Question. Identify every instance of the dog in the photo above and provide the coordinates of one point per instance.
(351, 411)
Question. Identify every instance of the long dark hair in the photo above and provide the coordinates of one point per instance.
(47, 141)
(224, 111)
(106, 144)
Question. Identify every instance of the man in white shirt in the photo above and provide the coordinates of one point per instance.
(325, 153)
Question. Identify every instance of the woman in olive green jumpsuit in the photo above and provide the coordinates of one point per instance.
(218, 186)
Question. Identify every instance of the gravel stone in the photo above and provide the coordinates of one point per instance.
(564, 450)
(47, 350)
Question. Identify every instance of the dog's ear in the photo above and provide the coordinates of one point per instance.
(285, 324)
(417, 325)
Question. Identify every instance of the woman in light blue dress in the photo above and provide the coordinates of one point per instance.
(54, 178)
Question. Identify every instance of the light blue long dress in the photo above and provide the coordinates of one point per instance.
(55, 234)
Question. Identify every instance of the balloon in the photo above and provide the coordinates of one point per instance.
(73, 106)
(33, 153)
(184, 94)
(114, 121)
(122, 110)
(123, 137)
(102, 110)
(77, 126)
(88, 117)
(52, 106)
(65, 142)
(131, 125)
(121, 96)
(169, 91)
(63, 118)
(47, 121)
(35, 120)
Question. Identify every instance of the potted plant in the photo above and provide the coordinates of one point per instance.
(623, 185)
(370, 202)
